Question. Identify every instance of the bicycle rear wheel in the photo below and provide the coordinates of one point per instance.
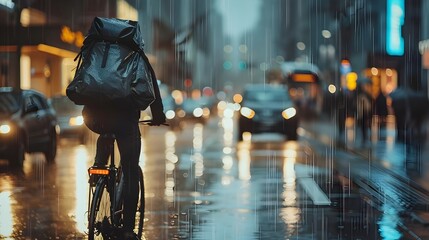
(100, 225)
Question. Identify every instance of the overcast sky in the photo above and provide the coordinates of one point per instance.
(239, 15)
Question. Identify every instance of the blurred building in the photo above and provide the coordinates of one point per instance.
(184, 38)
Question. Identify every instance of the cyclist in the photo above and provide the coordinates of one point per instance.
(124, 124)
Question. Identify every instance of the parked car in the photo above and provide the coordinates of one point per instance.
(27, 124)
(268, 108)
(70, 120)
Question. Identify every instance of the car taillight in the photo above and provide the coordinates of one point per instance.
(98, 171)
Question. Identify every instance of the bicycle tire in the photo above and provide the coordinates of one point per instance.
(99, 226)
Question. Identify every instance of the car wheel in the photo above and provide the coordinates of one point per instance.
(18, 155)
(292, 135)
(51, 150)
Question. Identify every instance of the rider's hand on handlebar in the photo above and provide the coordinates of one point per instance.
(157, 120)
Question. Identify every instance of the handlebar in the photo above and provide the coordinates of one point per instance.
(149, 122)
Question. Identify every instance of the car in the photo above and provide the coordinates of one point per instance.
(27, 124)
(70, 120)
(193, 110)
(268, 108)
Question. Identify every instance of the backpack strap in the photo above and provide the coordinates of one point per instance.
(90, 40)
(158, 102)
(106, 52)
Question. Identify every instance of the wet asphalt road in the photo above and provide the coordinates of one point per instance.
(202, 184)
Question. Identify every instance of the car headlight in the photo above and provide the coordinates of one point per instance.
(76, 121)
(206, 112)
(170, 114)
(181, 113)
(247, 112)
(289, 113)
(5, 128)
(198, 112)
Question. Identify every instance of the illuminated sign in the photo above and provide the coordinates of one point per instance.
(345, 67)
(309, 78)
(68, 36)
(395, 19)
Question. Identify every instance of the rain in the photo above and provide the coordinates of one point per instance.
(284, 119)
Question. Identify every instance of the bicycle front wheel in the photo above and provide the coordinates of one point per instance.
(100, 225)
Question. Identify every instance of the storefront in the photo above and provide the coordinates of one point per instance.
(45, 53)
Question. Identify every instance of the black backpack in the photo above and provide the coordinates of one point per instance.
(112, 68)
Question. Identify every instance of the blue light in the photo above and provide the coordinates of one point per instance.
(227, 65)
(395, 20)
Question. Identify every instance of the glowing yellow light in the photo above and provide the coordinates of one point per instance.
(98, 171)
(181, 113)
(56, 51)
(76, 121)
(237, 98)
(332, 89)
(351, 80)
(206, 112)
(247, 136)
(6, 226)
(389, 72)
(178, 96)
(374, 71)
(221, 105)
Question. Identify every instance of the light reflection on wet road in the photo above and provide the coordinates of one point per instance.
(201, 184)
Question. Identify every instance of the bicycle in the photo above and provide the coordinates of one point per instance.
(105, 205)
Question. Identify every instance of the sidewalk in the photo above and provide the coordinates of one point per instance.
(406, 162)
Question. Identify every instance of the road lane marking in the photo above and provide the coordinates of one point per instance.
(313, 190)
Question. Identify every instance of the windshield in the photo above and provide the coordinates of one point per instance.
(267, 96)
(63, 105)
(9, 102)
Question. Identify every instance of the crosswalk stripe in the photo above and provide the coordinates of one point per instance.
(313, 190)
